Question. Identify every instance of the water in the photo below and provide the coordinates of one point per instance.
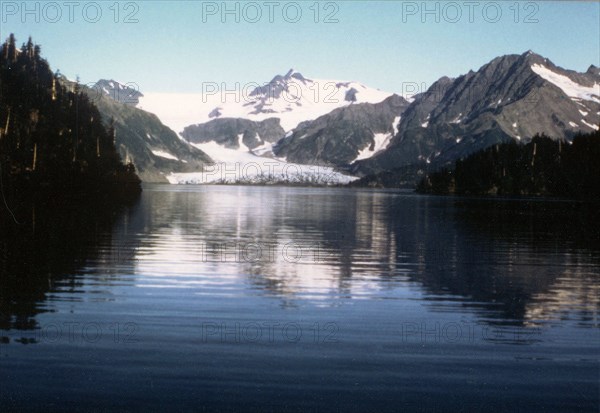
(226, 298)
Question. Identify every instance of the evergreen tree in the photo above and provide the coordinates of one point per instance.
(543, 166)
(51, 135)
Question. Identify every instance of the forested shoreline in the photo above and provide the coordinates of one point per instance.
(541, 167)
(52, 140)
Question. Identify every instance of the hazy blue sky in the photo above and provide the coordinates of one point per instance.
(175, 46)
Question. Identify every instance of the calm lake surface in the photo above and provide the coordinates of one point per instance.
(226, 298)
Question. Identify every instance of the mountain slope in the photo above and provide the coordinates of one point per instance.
(235, 133)
(141, 138)
(357, 131)
(513, 97)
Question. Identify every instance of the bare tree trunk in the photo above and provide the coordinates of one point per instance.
(7, 122)
(34, 157)
(76, 125)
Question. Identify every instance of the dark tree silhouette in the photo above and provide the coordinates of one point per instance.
(51, 136)
(543, 166)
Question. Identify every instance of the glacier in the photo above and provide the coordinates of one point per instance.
(242, 166)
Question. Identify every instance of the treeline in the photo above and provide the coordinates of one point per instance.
(543, 166)
(402, 177)
(52, 139)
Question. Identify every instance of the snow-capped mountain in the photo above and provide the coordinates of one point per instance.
(239, 131)
(513, 97)
(351, 127)
(292, 98)
(123, 93)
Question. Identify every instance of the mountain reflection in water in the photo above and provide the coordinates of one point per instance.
(441, 287)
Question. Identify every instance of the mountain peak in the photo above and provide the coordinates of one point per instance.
(531, 54)
(124, 93)
(291, 74)
(593, 70)
(531, 57)
(111, 83)
(279, 84)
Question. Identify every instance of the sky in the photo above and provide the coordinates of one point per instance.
(177, 46)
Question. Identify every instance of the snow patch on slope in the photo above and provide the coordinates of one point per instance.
(458, 119)
(571, 88)
(396, 124)
(241, 145)
(265, 149)
(382, 140)
(595, 127)
(164, 154)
